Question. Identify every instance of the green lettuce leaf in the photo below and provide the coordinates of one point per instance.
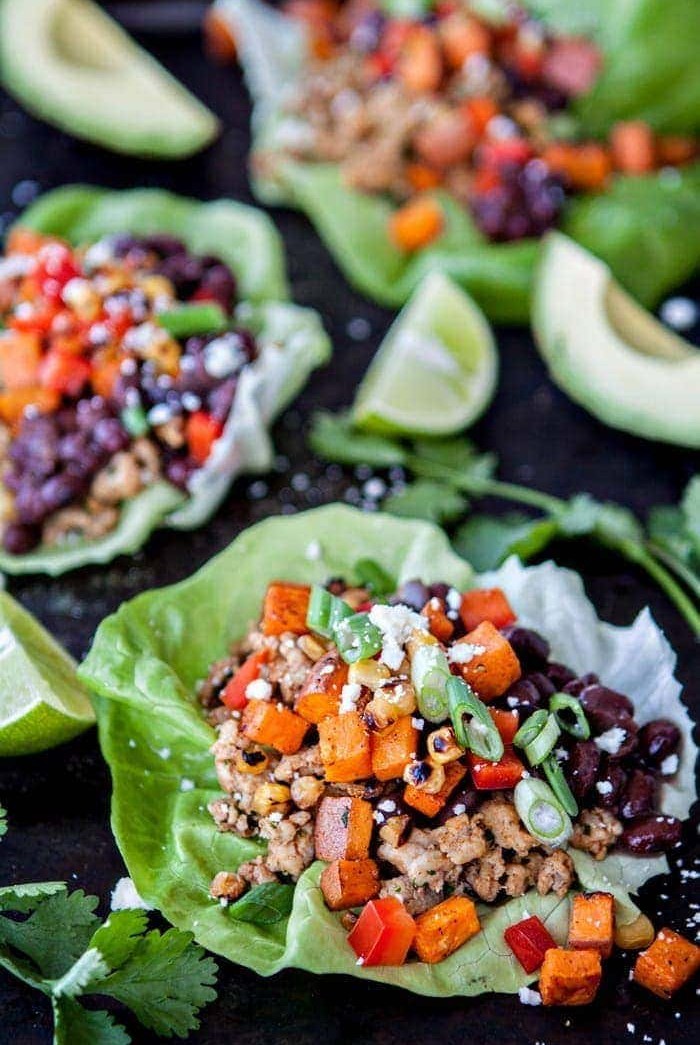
(292, 342)
(650, 72)
(145, 664)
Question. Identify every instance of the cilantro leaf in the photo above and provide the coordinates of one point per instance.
(74, 1025)
(583, 515)
(165, 981)
(55, 934)
(486, 540)
(427, 499)
(264, 905)
(459, 455)
(25, 897)
(118, 938)
(3, 820)
(333, 438)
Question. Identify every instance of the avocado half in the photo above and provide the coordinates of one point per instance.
(72, 65)
(608, 353)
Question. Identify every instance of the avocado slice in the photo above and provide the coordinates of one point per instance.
(72, 65)
(608, 353)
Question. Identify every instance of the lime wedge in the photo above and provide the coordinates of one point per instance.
(42, 704)
(435, 371)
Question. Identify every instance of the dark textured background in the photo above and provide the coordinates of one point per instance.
(59, 802)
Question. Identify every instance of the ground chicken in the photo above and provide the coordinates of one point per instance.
(595, 832)
(419, 858)
(556, 874)
(256, 872)
(219, 674)
(306, 762)
(290, 847)
(518, 879)
(228, 817)
(227, 885)
(227, 750)
(462, 839)
(502, 820)
(306, 791)
(416, 899)
(485, 874)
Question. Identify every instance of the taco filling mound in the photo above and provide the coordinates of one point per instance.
(425, 747)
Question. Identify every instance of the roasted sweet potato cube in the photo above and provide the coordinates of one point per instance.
(669, 963)
(430, 805)
(482, 604)
(349, 883)
(394, 748)
(266, 723)
(569, 977)
(439, 624)
(492, 671)
(345, 748)
(343, 829)
(444, 928)
(319, 697)
(285, 608)
(592, 923)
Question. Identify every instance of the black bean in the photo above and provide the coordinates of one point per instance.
(60, 490)
(559, 674)
(651, 834)
(604, 707)
(439, 591)
(639, 796)
(531, 649)
(221, 399)
(658, 740)
(576, 685)
(179, 469)
(544, 684)
(523, 696)
(219, 283)
(467, 797)
(611, 774)
(581, 768)
(19, 539)
(110, 435)
(414, 594)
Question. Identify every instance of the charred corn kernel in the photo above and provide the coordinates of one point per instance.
(420, 637)
(311, 646)
(306, 791)
(635, 935)
(425, 776)
(7, 505)
(368, 673)
(155, 287)
(82, 298)
(443, 747)
(111, 281)
(400, 694)
(379, 714)
(271, 798)
(253, 761)
(395, 829)
(355, 597)
(164, 352)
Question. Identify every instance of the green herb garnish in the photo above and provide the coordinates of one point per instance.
(265, 904)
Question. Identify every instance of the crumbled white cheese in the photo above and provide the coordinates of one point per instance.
(224, 356)
(611, 740)
(258, 689)
(679, 313)
(313, 551)
(459, 808)
(191, 402)
(464, 652)
(76, 291)
(349, 696)
(529, 997)
(562, 754)
(16, 265)
(454, 599)
(159, 414)
(396, 624)
(99, 254)
(186, 784)
(125, 897)
(669, 766)
(604, 787)
(388, 805)
(275, 818)
(417, 723)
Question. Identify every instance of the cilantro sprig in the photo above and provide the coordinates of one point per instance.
(3, 820)
(53, 941)
(449, 473)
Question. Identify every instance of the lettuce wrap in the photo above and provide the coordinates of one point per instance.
(291, 341)
(646, 228)
(144, 667)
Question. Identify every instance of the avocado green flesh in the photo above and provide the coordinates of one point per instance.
(72, 65)
(608, 354)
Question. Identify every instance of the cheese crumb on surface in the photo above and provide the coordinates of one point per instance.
(529, 997)
(396, 624)
(258, 689)
(604, 787)
(454, 599)
(349, 696)
(463, 652)
(669, 766)
(125, 897)
(611, 740)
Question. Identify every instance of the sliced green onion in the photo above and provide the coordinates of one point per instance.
(558, 784)
(325, 612)
(430, 673)
(371, 575)
(134, 420)
(204, 317)
(541, 745)
(541, 812)
(565, 702)
(480, 735)
(357, 638)
(530, 728)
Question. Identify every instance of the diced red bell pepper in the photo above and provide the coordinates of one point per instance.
(56, 268)
(202, 430)
(36, 319)
(64, 372)
(529, 941)
(506, 722)
(495, 776)
(485, 604)
(233, 695)
(383, 933)
(504, 151)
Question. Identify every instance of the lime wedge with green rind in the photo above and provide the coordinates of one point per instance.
(435, 371)
(42, 704)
